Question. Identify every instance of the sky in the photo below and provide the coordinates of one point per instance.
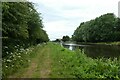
(62, 17)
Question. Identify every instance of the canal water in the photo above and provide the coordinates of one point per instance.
(96, 50)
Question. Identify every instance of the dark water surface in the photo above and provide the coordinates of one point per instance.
(96, 50)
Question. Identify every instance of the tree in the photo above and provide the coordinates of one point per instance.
(101, 29)
(66, 38)
(21, 25)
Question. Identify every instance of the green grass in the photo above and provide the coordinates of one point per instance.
(64, 63)
(19, 60)
(75, 64)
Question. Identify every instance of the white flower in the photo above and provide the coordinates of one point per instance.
(28, 60)
(25, 52)
(19, 56)
(30, 50)
(12, 65)
(11, 53)
(7, 52)
(15, 59)
(8, 60)
(27, 49)
(6, 66)
(17, 49)
(6, 47)
(18, 53)
(22, 49)
(61, 59)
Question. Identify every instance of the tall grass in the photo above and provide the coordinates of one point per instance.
(75, 64)
(64, 63)
(18, 60)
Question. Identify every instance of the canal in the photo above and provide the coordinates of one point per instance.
(96, 50)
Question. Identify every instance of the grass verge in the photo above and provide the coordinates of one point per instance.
(63, 63)
(75, 64)
(16, 62)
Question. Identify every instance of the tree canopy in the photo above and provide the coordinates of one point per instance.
(105, 28)
(66, 38)
(21, 25)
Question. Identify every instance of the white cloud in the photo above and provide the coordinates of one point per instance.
(57, 29)
(62, 17)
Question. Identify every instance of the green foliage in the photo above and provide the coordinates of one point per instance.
(19, 60)
(75, 64)
(57, 40)
(21, 25)
(15, 61)
(102, 29)
(64, 63)
(65, 38)
(14, 20)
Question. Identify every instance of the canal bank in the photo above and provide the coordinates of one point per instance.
(54, 61)
(95, 50)
(108, 43)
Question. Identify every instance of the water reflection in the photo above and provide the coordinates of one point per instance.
(71, 47)
(97, 50)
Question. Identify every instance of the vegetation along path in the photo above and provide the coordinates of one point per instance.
(54, 61)
(39, 66)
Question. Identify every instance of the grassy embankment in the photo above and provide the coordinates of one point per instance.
(54, 61)
(20, 60)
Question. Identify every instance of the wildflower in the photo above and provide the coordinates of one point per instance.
(11, 53)
(6, 47)
(61, 59)
(16, 49)
(39, 45)
(19, 56)
(6, 52)
(10, 57)
(28, 60)
(12, 65)
(6, 66)
(8, 60)
(30, 50)
(27, 49)
(14, 58)
(22, 49)
(25, 52)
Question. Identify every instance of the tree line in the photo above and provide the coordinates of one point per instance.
(64, 39)
(105, 28)
(21, 26)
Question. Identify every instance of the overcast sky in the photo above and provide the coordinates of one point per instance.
(62, 17)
